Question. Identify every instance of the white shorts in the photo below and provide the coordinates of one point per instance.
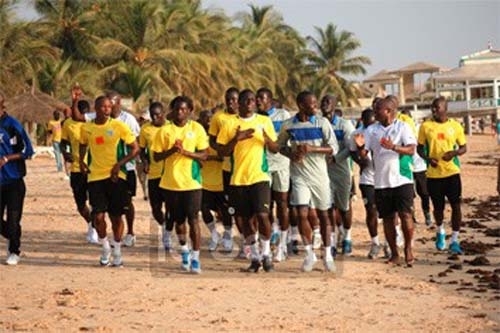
(341, 193)
(280, 180)
(313, 194)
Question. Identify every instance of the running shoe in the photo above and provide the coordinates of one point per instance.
(195, 266)
(455, 248)
(185, 264)
(346, 247)
(280, 254)
(129, 240)
(440, 241)
(374, 251)
(214, 241)
(267, 264)
(117, 258)
(167, 241)
(254, 266)
(329, 264)
(227, 242)
(106, 254)
(13, 259)
(92, 237)
(309, 261)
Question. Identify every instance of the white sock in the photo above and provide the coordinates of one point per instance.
(341, 230)
(211, 226)
(347, 234)
(266, 247)
(117, 247)
(283, 237)
(454, 236)
(375, 240)
(328, 252)
(308, 250)
(255, 251)
(276, 227)
(184, 248)
(195, 255)
(441, 229)
(105, 243)
(295, 233)
(333, 240)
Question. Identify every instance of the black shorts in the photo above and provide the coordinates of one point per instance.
(131, 183)
(420, 180)
(214, 201)
(252, 199)
(449, 187)
(368, 195)
(226, 181)
(183, 204)
(78, 182)
(394, 200)
(108, 196)
(155, 193)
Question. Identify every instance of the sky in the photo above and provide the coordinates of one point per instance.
(393, 33)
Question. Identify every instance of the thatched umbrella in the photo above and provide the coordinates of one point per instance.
(33, 107)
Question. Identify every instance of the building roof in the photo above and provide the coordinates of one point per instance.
(418, 67)
(383, 76)
(484, 55)
(484, 71)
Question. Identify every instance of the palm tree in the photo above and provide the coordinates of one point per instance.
(333, 60)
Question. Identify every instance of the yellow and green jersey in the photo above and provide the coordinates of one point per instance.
(219, 121)
(71, 132)
(146, 137)
(56, 128)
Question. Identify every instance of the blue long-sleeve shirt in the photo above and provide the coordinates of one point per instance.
(13, 140)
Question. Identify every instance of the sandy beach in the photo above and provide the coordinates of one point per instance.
(59, 285)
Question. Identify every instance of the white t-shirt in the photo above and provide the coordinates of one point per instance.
(391, 169)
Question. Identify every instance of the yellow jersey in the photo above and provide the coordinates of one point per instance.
(211, 173)
(56, 128)
(71, 131)
(181, 173)
(219, 121)
(439, 138)
(248, 160)
(106, 146)
(146, 137)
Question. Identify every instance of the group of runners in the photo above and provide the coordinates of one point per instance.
(275, 176)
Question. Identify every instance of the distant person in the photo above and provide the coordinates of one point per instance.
(441, 141)
(481, 125)
(143, 119)
(70, 142)
(497, 129)
(15, 148)
(104, 140)
(54, 128)
(392, 143)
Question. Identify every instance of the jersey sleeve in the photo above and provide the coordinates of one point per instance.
(201, 138)
(214, 128)
(461, 141)
(126, 134)
(408, 136)
(329, 137)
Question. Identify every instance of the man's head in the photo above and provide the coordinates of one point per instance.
(439, 108)
(102, 107)
(307, 103)
(204, 118)
(246, 103)
(156, 113)
(385, 110)
(115, 100)
(367, 117)
(327, 106)
(182, 107)
(264, 100)
(56, 114)
(83, 106)
(231, 99)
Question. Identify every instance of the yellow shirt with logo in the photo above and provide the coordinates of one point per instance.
(248, 161)
(220, 120)
(146, 137)
(71, 132)
(106, 146)
(211, 173)
(181, 173)
(439, 138)
(56, 128)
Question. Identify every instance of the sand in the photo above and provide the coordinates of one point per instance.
(59, 285)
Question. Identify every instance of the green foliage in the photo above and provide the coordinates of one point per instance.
(161, 48)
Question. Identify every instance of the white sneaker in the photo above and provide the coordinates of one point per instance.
(106, 254)
(309, 261)
(227, 242)
(245, 252)
(400, 241)
(92, 236)
(129, 240)
(214, 241)
(329, 264)
(12, 259)
(117, 258)
(316, 240)
(280, 254)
